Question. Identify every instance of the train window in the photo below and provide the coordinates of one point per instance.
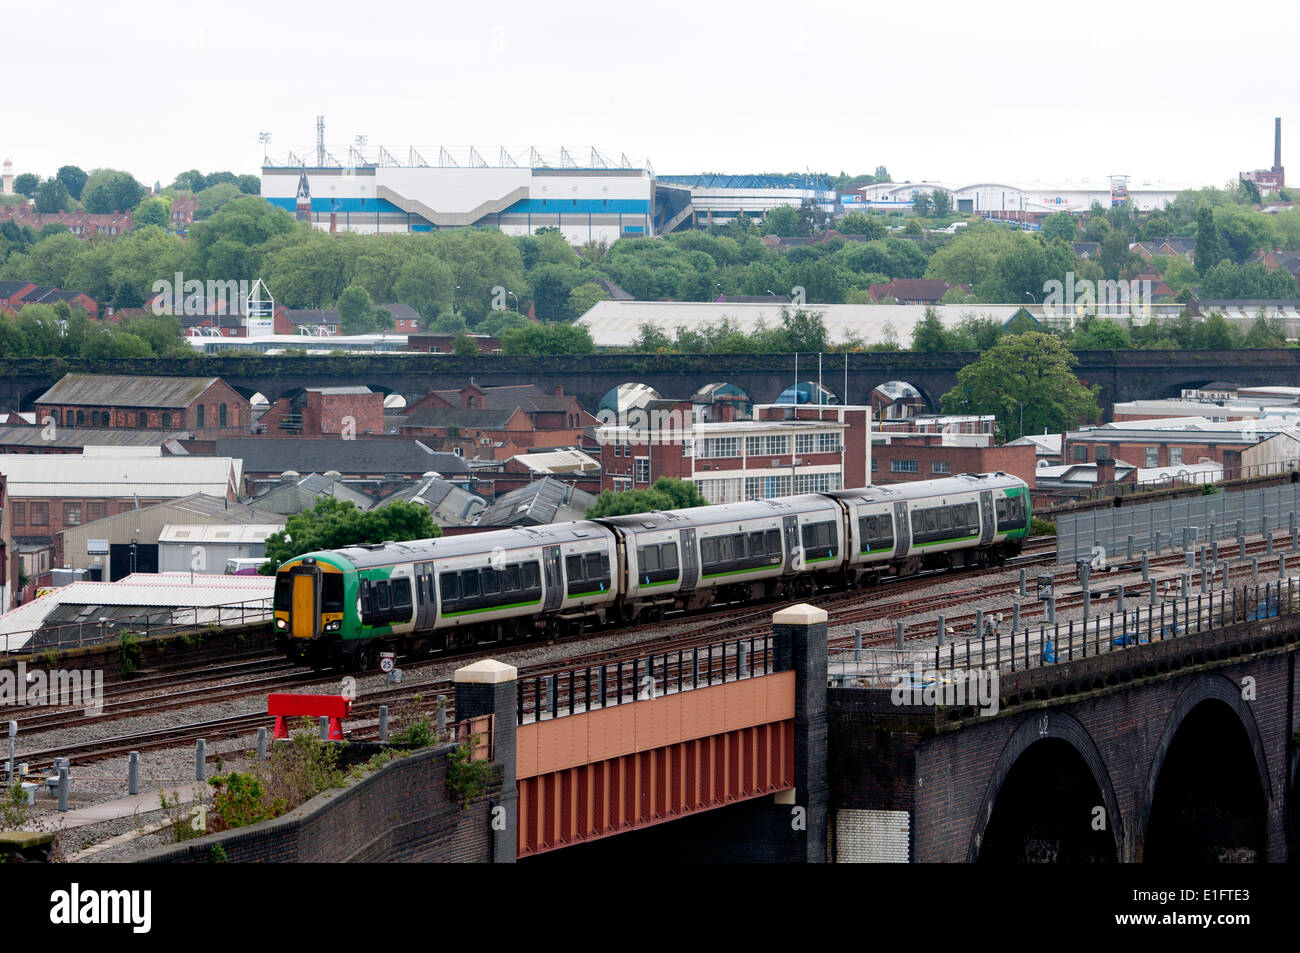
(382, 603)
(331, 592)
(469, 583)
(401, 593)
(450, 584)
(945, 518)
(774, 541)
(709, 550)
(668, 556)
(594, 570)
(491, 581)
(283, 592)
(725, 549)
(532, 576)
(648, 556)
(756, 546)
(510, 579)
(573, 567)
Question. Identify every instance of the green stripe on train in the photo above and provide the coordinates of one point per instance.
(513, 605)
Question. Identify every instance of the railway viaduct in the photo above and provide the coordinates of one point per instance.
(1173, 751)
(1122, 375)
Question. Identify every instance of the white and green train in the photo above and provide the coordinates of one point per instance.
(347, 605)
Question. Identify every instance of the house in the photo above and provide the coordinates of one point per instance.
(288, 495)
(1166, 247)
(321, 323)
(1088, 251)
(82, 224)
(14, 295)
(538, 504)
(545, 411)
(205, 406)
(915, 290)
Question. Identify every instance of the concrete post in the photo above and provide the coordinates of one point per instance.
(898, 635)
(1154, 597)
(133, 771)
(979, 623)
(63, 788)
(383, 722)
(857, 644)
(1015, 617)
(943, 626)
(200, 760)
(1119, 598)
(1023, 593)
(1157, 542)
(324, 727)
(1224, 568)
(1189, 558)
(1051, 608)
(1254, 568)
(488, 687)
(1146, 566)
(1205, 576)
(742, 658)
(1187, 538)
(1087, 605)
(440, 718)
(1130, 549)
(799, 641)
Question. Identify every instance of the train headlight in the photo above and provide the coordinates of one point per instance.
(281, 624)
(332, 626)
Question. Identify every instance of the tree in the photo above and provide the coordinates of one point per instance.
(1207, 241)
(856, 223)
(356, 311)
(51, 196)
(108, 190)
(334, 523)
(922, 203)
(26, 184)
(1102, 335)
(73, 179)
(664, 494)
(155, 210)
(942, 201)
(548, 339)
(929, 335)
(1061, 226)
(784, 221)
(191, 181)
(584, 297)
(1026, 381)
(462, 345)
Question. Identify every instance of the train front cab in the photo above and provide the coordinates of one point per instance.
(308, 610)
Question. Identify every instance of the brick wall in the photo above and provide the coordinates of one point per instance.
(326, 413)
(1018, 461)
(400, 813)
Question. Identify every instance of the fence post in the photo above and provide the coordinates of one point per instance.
(133, 770)
(487, 687)
(200, 760)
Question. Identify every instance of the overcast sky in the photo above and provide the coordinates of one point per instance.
(953, 92)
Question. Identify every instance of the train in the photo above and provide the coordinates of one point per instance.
(344, 607)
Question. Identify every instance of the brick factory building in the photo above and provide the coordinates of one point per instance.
(205, 406)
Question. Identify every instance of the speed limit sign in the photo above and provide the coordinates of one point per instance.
(387, 660)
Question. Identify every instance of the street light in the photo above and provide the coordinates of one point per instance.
(516, 297)
(453, 300)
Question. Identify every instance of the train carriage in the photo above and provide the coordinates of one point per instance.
(346, 605)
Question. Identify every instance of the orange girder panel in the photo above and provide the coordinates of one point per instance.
(557, 744)
(581, 803)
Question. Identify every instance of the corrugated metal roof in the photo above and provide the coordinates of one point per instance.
(618, 323)
(231, 533)
(19, 436)
(107, 390)
(61, 474)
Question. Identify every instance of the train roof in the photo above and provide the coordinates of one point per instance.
(467, 544)
(899, 492)
(705, 515)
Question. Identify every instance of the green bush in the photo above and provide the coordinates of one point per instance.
(467, 778)
(1038, 526)
(131, 653)
(240, 800)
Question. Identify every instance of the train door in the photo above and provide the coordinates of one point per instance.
(689, 562)
(424, 597)
(790, 524)
(554, 581)
(987, 525)
(902, 532)
(304, 612)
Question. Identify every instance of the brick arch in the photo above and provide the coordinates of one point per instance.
(1205, 688)
(1040, 726)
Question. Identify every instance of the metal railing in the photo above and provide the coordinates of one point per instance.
(164, 621)
(477, 731)
(644, 677)
(1047, 645)
(1192, 478)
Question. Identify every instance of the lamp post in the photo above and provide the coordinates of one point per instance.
(516, 297)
